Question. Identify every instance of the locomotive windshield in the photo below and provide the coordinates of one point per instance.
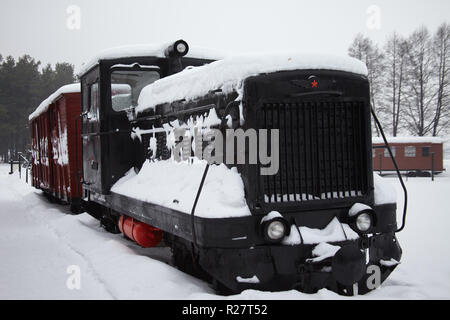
(126, 85)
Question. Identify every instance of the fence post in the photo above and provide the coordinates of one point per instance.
(20, 167)
(26, 178)
(12, 169)
(432, 166)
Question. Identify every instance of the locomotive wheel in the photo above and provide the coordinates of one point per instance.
(76, 209)
(109, 224)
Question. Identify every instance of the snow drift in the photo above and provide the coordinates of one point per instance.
(228, 75)
(175, 184)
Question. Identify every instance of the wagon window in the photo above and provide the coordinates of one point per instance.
(425, 151)
(410, 151)
(386, 152)
(126, 85)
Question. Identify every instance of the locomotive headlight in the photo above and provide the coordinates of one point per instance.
(181, 47)
(276, 230)
(177, 50)
(363, 222)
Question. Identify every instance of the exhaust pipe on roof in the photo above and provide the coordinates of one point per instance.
(174, 53)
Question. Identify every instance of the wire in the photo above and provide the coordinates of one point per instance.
(396, 169)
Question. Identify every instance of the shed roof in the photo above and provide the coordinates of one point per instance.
(408, 139)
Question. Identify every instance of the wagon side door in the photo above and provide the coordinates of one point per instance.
(91, 132)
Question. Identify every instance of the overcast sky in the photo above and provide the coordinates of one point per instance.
(47, 31)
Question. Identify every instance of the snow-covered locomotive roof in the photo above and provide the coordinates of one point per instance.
(148, 50)
(228, 75)
(408, 139)
(70, 88)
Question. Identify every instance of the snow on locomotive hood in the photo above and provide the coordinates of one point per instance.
(222, 196)
(70, 88)
(228, 75)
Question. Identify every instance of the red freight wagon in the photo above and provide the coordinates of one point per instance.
(414, 155)
(56, 147)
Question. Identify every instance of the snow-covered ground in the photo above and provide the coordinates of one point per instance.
(39, 241)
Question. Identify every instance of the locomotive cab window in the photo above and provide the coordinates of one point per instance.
(126, 85)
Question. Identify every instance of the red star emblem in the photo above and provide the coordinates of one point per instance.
(314, 84)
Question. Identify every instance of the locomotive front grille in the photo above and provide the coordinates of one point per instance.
(322, 150)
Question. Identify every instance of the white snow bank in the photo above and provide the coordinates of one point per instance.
(384, 192)
(148, 50)
(36, 238)
(271, 215)
(175, 184)
(323, 251)
(389, 263)
(333, 232)
(253, 279)
(70, 88)
(408, 139)
(228, 75)
(358, 207)
(293, 238)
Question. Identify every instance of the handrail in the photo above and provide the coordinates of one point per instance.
(199, 191)
(396, 169)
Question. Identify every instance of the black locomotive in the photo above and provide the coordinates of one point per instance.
(324, 122)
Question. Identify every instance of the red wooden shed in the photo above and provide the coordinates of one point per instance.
(412, 154)
(56, 145)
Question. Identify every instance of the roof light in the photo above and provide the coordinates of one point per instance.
(178, 49)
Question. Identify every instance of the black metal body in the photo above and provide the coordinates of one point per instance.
(325, 151)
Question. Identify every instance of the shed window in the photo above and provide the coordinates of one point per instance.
(425, 151)
(410, 151)
(386, 152)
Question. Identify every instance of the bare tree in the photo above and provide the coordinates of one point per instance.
(365, 50)
(395, 60)
(441, 50)
(419, 83)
